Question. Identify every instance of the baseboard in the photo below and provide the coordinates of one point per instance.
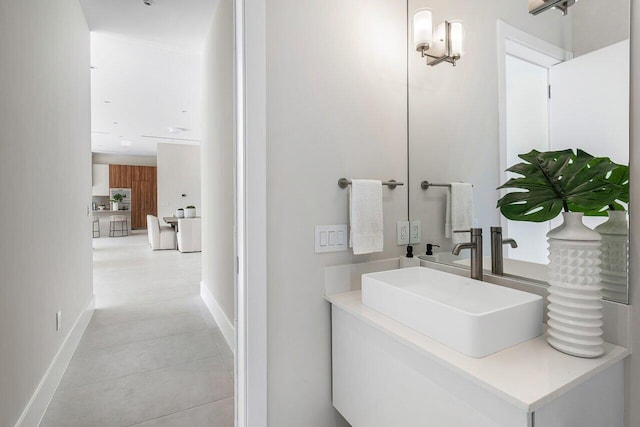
(226, 327)
(37, 406)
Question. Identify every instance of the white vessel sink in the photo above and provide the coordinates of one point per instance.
(472, 317)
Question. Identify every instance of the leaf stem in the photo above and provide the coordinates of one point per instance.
(557, 190)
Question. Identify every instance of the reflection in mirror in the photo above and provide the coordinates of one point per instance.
(545, 82)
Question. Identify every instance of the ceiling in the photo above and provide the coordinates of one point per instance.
(145, 77)
(176, 24)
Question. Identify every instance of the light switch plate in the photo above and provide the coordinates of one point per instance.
(415, 232)
(403, 233)
(331, 238)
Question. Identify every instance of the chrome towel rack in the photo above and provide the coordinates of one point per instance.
(426, 184)
(392, 183)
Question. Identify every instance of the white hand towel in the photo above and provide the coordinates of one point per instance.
(365, 213)
(459, 212)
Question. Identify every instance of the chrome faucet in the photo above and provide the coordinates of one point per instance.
(475, 245)
(497, 258)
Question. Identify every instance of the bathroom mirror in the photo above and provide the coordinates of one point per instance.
(523, 82)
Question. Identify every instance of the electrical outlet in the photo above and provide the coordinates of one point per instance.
(58, 320)
(415, 232)
(403, 233)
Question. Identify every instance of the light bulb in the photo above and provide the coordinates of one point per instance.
(422, 29)
(457, 38)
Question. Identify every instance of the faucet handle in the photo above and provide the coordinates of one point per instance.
(474, 231)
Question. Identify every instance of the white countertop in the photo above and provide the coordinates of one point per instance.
(527, 375)
(111, 212)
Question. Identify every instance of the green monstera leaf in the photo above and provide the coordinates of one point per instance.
(554, 181)
(618, 177)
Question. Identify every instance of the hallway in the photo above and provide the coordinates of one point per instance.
(152, 355)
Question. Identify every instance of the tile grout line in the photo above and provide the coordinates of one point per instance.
(182, 410)
(83, 353)
(177, 313)
(140, 372)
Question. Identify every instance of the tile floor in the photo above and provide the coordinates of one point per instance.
(152, 355)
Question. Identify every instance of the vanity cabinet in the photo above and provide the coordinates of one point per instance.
(386, 374)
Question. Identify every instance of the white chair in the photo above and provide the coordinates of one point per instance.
(160, 237)
(189, 235)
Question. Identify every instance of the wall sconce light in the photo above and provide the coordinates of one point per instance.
(539, 6)
(443, 45)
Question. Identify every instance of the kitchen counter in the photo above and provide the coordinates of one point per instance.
(118, 212)
(527, 376)
(104, 220)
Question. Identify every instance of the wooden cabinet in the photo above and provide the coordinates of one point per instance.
(144, 194)
(144, 173)
(144, 201)
(120, 176)
(142, 180)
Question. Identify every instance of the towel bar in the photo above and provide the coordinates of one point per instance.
(392, 183)
(426, 184)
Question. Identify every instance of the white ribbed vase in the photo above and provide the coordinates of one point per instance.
(614, 259)
(575, 307)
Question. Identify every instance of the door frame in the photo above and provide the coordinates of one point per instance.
(251, 213)
(516, 42)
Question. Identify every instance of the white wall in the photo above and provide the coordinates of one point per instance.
(454, 127)
(218, 161)
(597, 24)
(178, 174)
(123, 159)
(45, 259)
(336, 107)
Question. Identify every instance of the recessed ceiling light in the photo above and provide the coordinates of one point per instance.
(116, 123)
(125, 143)
(107, 102)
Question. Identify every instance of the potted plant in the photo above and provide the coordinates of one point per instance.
(190, 212)
(117, 198)
(571, 183)
(179, 213)
(558, 181)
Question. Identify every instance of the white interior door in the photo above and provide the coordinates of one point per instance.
(589, 106)
(590, 103)
(527, 128)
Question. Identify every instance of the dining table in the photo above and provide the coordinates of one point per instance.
(173, 221)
